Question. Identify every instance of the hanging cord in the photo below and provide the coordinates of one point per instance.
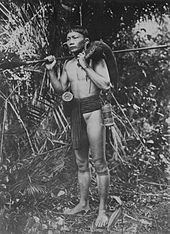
(138, 137)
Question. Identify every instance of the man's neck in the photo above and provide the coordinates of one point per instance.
(78, 52)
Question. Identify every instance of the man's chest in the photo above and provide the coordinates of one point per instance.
(76, 73)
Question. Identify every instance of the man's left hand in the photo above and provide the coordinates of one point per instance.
(81, 60)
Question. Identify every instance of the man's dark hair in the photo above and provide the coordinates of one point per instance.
(80, 29)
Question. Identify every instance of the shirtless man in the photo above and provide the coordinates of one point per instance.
(86, 80)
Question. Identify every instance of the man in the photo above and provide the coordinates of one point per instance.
(86, 80)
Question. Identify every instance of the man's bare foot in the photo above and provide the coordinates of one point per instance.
(102, 219)
(77, 209)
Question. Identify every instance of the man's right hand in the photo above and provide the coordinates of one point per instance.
(51, 62)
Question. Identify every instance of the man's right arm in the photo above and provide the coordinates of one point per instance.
(60, 85)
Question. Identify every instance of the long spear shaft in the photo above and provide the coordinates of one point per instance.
(13, 64)
(142, 48)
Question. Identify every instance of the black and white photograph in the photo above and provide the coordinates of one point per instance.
(84, 117)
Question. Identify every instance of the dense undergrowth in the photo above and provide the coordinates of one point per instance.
(38, 171)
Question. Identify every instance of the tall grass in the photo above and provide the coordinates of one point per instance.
(24, 37)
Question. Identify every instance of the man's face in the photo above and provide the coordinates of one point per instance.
(75, 41)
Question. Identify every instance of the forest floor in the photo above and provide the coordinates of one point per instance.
(148, 214)
(128, 212)
(126, 219)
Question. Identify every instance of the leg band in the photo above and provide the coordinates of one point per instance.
(83, 171)
(101, 167)
(105, 171)
(83, 165)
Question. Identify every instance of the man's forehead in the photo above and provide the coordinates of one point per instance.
(74, 33)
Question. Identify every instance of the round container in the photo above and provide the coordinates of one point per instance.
(68, 103)
(67, 96)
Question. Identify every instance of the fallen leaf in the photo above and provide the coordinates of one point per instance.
(60, 193)
(114, 217)
(145, 222)
(117, 199)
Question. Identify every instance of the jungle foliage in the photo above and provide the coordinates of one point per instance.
(38, 171)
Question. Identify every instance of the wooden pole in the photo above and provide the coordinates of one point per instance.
(142, 48)
(81, 16)
(10, 65)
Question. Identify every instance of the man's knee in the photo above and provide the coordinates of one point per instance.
(101, 167)
(83, 165)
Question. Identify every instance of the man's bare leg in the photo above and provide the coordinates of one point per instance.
(96, 135)
(84, 177)
(103, 182)
(83, 205)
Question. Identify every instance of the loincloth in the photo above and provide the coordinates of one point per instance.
(82, 106)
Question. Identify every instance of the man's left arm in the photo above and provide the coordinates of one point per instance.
(99, 75)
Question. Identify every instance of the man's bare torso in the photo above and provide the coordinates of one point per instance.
(81, 85)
